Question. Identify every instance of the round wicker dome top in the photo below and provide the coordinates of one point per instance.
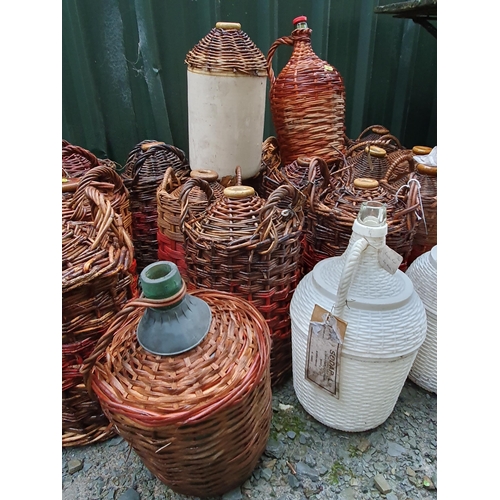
(227, 50)
(150, 389)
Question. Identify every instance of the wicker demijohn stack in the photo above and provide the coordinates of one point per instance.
(250, 247)
(199, 419)
(307, 100)
(144, 171)
(96, 283)
(170, 237)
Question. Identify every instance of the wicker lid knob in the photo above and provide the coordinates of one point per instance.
(148, 145)
(426, 169)
(365, 183)
(228, 26)
(375, 151)
(204, 174)
(421, 150)
(299, 19)
(237, 192)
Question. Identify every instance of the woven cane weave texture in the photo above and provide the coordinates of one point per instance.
(144, 171)
(423, 274)
(227, 51)
(379, 347)
(199, 420)
(97, 256)
(334, 205)
(307, 102)
(251, 247)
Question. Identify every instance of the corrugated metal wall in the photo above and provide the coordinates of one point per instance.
(124, 78)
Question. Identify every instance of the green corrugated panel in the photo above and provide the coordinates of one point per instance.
(124, 77)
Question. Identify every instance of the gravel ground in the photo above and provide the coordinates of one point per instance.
(304, 459)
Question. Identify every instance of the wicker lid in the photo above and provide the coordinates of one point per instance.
(228, 50)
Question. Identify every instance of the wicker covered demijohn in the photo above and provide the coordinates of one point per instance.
(226, 78)
(170, 237)
(144, 171)
(334, 205)
(357, 389)
(97, 254)
(250, 247)
(423, 274)
(426, 232)
(185, 380)
(307, 100)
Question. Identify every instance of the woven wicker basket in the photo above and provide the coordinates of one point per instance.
(76, 160)
(250, 247)
(334, 205)
(199, 420)
(170, 237)
(144, 172)
(96, 283)
(307, 102)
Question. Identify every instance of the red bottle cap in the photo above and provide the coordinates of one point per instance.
(300, 19)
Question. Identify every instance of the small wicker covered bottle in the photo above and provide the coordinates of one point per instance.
(307, 100)
(250, 247)
(423, 274)
(170, 237)
(226, 77)
(386, 324)
(185, 380)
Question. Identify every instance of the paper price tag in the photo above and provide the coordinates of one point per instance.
(389, 259)
(324, 347)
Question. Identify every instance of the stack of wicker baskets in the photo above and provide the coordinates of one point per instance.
(97, 254)
(250, 247)
(199, 420)
(144, 171)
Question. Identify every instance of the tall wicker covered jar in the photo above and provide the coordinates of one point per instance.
(353, 384)
(250, 247)
(185, 380)
(226, 77)
(307, 100)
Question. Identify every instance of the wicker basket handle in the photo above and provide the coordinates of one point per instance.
(325, 172)
(184, 196)
(105, 218)
(377, 129)
(171, 179)
(285, 40)
(101, 177)
(397, 160)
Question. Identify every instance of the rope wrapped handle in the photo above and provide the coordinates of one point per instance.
(285, 40)
(119, 321)
(184, 196)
